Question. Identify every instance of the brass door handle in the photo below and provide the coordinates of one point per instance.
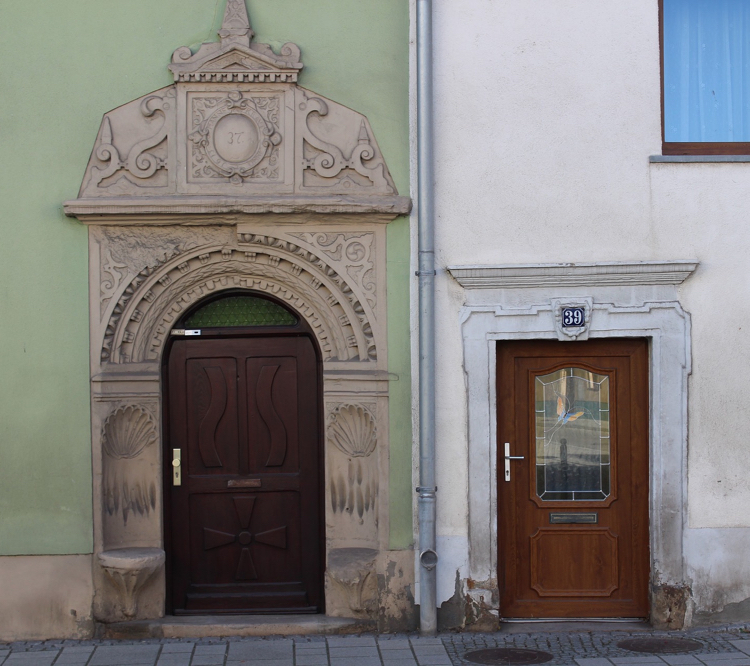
(176, 467)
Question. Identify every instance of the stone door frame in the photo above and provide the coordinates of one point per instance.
(333, 277)
(637, 299)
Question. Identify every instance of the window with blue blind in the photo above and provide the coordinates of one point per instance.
(706, 66)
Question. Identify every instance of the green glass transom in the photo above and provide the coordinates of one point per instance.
(240, 310)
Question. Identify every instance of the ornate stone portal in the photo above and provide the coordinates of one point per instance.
(237, 178)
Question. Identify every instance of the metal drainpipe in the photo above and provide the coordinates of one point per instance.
(427, 502)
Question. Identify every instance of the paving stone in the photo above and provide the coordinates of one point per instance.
(680, 659)
(721, 655)
(138, 655)
(261, 651)
(434, 659)
(429, 649)
(311, 659)
(396, 654)
(394, 644)
(173, 659)
(221, 648)
(351, 641)
(742, 645)
(262, 662)
(359, 661)
(207, 660)
(352, 652)
(593, 661)
(30, 658)
(172, 648)
(310, 647)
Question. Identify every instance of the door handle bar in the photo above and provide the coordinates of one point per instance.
(176, 467)
(508, 458)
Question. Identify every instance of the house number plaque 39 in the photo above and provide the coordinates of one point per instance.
(575, 317)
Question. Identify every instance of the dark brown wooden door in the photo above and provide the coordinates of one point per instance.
(245, 521)
(573, 516)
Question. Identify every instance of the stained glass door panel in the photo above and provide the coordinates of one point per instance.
(572, 435)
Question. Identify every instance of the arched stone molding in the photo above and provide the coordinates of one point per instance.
(154, 300)
(332, 273)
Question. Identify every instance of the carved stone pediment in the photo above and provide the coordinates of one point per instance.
(235, 134)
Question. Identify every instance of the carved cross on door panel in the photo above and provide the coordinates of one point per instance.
(275, 537)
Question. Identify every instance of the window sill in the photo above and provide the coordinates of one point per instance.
(698, 158)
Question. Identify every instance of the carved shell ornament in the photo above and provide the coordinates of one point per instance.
(127, 431)
(353, 430)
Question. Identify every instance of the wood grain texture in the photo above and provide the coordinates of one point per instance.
(574, 570)
(245, 526)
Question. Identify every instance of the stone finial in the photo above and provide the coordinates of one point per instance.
(235, 28)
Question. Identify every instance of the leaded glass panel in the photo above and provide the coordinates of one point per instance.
(572, 435)
(240, 310)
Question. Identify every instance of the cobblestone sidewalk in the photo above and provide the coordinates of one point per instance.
(729, 646)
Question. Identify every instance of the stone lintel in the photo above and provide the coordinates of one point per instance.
(193, 210)
(599, 274)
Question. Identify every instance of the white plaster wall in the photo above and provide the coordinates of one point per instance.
(546, 115)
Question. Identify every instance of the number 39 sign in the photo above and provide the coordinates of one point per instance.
(575, 317)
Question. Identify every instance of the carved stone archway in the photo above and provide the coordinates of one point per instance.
(176, 214)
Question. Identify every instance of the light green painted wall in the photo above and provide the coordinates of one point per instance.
(64, 64)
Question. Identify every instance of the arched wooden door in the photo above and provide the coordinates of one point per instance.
(243, 460)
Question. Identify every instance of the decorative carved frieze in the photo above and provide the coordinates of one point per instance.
(157, 296)
(350, 253)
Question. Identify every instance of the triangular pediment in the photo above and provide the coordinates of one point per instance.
(236, 53)
(237, 61)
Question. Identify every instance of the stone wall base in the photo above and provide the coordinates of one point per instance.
(45, 596)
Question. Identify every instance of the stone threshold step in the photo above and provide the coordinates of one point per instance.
(215, 626)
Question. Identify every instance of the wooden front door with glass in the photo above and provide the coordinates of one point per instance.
(573, 478)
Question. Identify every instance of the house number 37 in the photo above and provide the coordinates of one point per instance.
(573, 317)
(234, 137)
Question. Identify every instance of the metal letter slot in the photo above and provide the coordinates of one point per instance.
(573, 518)
(244, 483)
(176, 467)
(508, 458)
